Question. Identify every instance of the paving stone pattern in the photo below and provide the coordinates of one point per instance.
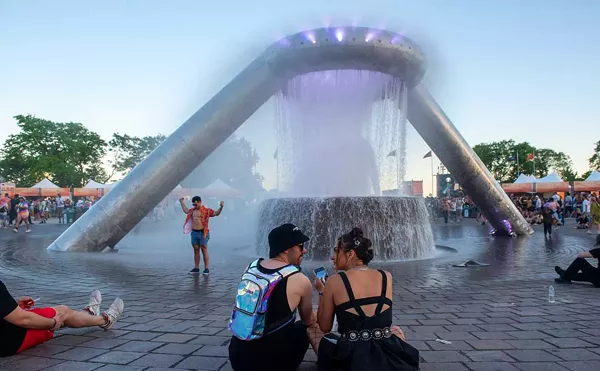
(496, 318)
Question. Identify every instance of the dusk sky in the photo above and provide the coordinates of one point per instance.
(501, 69)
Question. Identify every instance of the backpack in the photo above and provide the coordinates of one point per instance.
(250, 307)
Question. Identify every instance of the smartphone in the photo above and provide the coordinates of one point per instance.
(321, 274)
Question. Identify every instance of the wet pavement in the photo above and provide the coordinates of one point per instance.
(496, 317)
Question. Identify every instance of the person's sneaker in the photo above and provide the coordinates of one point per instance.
(195, 271)
(27, 230)
(93, 306)
(562, 280)
(559, 270)
(205, 272)
(15, 230)
(114, 312)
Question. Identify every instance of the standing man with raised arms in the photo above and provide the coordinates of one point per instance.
(196, 223)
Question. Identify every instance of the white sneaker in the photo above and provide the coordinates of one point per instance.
(112, 315)
(93, 306)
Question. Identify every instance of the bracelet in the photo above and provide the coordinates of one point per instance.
(54, 325)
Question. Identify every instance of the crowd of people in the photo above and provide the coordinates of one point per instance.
(583, 208)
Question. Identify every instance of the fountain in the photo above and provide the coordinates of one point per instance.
(341, 137)
(324, 49)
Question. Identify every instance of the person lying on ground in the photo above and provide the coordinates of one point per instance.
(23, 327)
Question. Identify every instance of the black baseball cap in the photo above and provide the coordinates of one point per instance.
(285, 237)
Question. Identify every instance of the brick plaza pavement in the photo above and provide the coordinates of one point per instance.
(497, 317)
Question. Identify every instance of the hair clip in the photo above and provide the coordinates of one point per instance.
(356, 242)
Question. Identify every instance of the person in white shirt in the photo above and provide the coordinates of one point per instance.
(60, 207)
(586, 205)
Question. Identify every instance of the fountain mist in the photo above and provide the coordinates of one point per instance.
(341, 139)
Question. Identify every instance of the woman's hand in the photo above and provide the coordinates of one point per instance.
(318, 285)
(26, 302)
(398, 332)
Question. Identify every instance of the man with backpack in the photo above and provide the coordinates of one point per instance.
(267, 336)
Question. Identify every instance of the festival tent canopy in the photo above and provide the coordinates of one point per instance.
(525, 179)
(45, 184)
(550, 178)
(94, 184)
(220, 188)
(594, 176)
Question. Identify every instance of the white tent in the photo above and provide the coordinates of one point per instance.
(220, 188)
(525, 179)
(550, 178)
(45, 184)
(95, 184)
(594, 176)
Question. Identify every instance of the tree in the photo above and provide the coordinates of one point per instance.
(129, 151)
(67, 153)
(234, 162)
(506, 159)
(595, 159)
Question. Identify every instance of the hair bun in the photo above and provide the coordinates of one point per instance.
(356, 232)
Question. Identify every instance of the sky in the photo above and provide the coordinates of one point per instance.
(501, 69)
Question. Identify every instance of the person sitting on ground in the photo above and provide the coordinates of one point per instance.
(361, 300)
(23, 326)
(581, 270)
(581, 219)
(271, 292)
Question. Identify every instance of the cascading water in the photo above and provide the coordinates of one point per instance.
(341, 139)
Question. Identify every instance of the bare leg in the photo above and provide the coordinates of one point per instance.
(204, 256)
(196, 256)
(78, 319)
(18, 222)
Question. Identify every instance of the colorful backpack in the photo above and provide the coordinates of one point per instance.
(250, 307)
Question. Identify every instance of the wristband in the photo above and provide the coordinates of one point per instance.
(54, 325)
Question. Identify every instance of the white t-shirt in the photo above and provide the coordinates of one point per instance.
(60, 202)
(586, 206)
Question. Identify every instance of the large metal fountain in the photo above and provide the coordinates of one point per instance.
(108, 221)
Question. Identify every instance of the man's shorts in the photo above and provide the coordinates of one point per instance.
(199, 239)
(37, 337)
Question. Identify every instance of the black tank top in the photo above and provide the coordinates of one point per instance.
(278, 308)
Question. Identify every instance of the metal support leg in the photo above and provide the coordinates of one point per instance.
(444, 139)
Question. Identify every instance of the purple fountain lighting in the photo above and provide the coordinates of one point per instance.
(339, 35)
(370, 36)
(310, 36)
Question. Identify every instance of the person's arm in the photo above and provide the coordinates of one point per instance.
(593, 253)
(218, 212)
(30, 320)
(587, 254)
(326, 310)
(305, 292)
(183, 207)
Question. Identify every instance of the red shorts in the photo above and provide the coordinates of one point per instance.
(37, 337)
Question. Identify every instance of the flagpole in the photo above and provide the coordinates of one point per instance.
(432, 178)
(518, 164)
(534, 162)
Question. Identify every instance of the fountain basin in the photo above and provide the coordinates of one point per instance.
(398, 226)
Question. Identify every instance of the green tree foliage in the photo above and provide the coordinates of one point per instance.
(67, 153)
(234, 162)
(595, 159)
(128, 151)
(501, 159)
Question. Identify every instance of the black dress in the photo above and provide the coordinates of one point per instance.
(365, 343)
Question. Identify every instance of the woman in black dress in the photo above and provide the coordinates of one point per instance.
(361, 299)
